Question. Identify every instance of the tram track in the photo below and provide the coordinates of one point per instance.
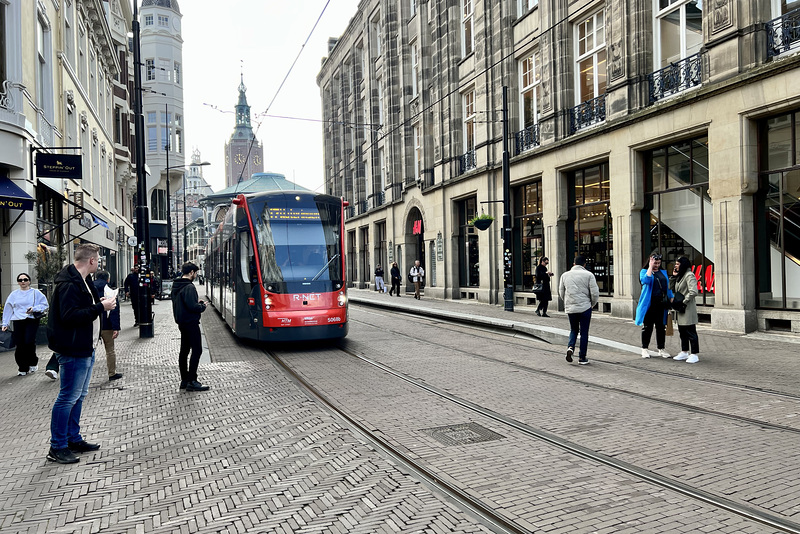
(494, 520)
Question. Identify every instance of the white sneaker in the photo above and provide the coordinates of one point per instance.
(663, 353)
(22, 373)
(681, 356)
(51, 374)
(645, 353)
(33, 368)
(692, 359)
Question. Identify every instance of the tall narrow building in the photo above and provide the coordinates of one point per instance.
(244, 154)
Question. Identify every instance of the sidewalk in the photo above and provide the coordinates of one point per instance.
(761, 360)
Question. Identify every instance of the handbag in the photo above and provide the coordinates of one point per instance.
(670, 329)
(678, 303)
(6, 340)
(538, 287)
(38, 314)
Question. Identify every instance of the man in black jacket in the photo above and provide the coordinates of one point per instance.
(73, 330)
(186, 308)
(132, 291)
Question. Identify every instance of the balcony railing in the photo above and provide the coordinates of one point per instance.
(397, 192)
(527, 138)
(378, 199)
(46, 129)
(7, 97)
(676, 77)
(783, 33)
(363, 207)
(350, 211)
(467, 161)
(427, 178)
(587, 113)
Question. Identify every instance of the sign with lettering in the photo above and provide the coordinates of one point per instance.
(439, 247)
(161, 245)
(417, 228)
(58, 166)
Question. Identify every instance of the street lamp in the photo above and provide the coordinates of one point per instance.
(169, 224)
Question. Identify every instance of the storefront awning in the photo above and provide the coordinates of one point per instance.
(13, 197)
(101, 222)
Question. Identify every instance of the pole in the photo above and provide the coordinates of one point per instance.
(170, 270)
(142, 214)
(508, 273)
(185, 248)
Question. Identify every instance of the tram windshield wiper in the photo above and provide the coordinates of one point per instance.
(323, 269)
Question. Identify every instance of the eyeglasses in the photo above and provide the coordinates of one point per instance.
(656, 256)
(23, 280)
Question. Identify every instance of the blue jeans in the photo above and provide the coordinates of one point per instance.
(75, 374)
(576, 321)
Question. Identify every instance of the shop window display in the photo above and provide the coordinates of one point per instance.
(468, 251)
(590, 214)
(528, 234)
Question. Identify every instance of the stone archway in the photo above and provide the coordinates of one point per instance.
(414, 240)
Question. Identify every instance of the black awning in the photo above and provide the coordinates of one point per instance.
(13, 197)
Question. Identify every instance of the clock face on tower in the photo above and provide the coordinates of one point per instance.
(238, 159)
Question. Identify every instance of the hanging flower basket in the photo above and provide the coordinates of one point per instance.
(482, 221)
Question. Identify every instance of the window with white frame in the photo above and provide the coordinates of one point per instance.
(377, 35)
(469, 121)
(148, 20)
(678, 29)
(177, 70)
(467, 33)
(413, 7)
(3, 46)
(95, 167)
(380, 101)
(158, 205)
(163, 20)
(523, 6)
(590, 75)
(415, 69)
(150, 69)
(165, 140)
(164, 70)
(178, 141)
(101, 83)
(417, 151)
(82, 55)
(69, 33)
(93, 77)
(72, 126)
(151, 117)
(152, 138)
(529, 73)
(44, 67)
(382, 177)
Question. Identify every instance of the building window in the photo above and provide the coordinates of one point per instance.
(413, 7)
(529, 91)
(82, 56)
(467, 34)
(590, 218)
(148, 20)
(528, 234)
(163, 20)
(679, 30)
(177, 70)
(379, 83)
(677, 216)
(418, 151)
(165, 140)
(164, 70)
(150, 69)
(44, 80)
(158, 205)
(69, 33)
(468, 251)
(377, 35)
(590, 72)
(179, 141)
(3, 46)
(93, 77)
(152, 138)
(117, 125)
(415, 70)
(777, 213)
(469, 121)
(151, 117)
(523, 6)
(366, 272)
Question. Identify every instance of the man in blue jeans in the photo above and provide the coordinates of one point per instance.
(73, 330)
(578, 289)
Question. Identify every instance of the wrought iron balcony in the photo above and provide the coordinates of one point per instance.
(467, 161)
(783, 33)
(350, 211)
(587, 113)
(378, 199)
(397, 192)
(427, 178)
(363, 207)
(675, 78)
(527, 138)
(7, 97)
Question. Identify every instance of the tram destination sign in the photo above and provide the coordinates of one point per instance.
(59, 166)
(293, 214)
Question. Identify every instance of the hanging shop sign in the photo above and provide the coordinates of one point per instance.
(161, 245)
(58, 166)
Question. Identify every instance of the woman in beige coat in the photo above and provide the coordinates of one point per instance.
(685, 286)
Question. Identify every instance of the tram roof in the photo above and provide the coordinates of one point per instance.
(260, 182)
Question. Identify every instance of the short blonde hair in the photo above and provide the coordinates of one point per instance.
(86, 251)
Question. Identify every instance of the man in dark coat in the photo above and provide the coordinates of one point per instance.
(73, 330)
(109, 328)
(132, 291)
(186, 308)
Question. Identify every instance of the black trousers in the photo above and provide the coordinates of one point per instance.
(135, 305)
(190, 341)
(24, 336)
(689, 338)
(654, 317)
(395, 286)
(542, 307)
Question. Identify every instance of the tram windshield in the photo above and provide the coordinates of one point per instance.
(298, 239)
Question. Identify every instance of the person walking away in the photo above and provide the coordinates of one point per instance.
(396, 279)
(685, 291)
(544, 296)
(580, 293)
(380, 287)
(109, 327)
(417, 275)
(654, 303)
(186, 308)
(73, 330)
(131, 287)
(23, 309)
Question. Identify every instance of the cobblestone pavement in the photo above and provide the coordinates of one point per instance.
(252, 455)
(762, 360)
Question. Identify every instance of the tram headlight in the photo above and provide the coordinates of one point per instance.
(342, 299)
(267, 302)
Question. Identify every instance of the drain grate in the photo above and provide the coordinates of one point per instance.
(463, 434)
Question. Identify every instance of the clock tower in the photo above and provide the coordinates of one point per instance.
(244, 155)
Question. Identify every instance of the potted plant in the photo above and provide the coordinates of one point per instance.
(482, 221)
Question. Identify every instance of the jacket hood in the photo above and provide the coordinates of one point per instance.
(69, 273)
(180, 283)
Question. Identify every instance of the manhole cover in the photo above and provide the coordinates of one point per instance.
(461, 434)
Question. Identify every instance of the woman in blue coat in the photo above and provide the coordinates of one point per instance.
(653, 304)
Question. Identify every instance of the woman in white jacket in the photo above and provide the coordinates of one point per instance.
(24, 307)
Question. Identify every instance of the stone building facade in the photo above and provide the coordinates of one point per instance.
(667, 125)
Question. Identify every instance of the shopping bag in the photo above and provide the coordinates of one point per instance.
(6, 340)
(670, 329)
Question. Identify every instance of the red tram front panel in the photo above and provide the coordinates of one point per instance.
(304, 309)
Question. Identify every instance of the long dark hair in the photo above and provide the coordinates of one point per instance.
(683, 265)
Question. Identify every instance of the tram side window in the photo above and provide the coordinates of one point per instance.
(247, 259)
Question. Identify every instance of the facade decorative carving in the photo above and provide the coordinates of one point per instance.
(721, 17)
(94, 136)
(547, 102)
(70, 96)
(617, 65)
(103, 148)
(84, 120)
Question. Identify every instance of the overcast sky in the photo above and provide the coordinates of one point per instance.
(262, 37)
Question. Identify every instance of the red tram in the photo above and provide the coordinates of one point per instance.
(275, 267)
